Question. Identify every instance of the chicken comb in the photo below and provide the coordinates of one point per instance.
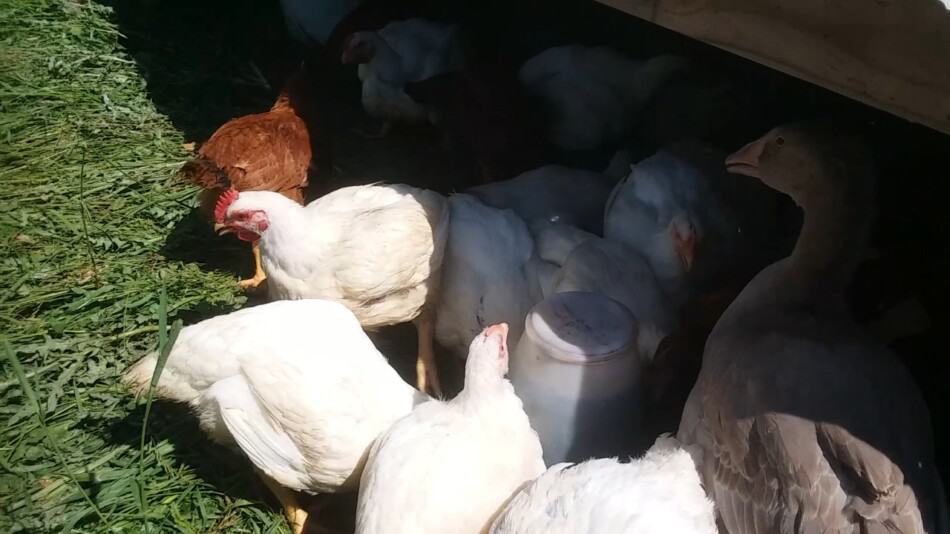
(225, 199)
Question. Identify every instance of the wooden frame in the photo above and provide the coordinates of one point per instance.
(890, 54)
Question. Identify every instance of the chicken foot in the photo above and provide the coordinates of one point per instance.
(427, 374)
(259, 276)
(296, 515)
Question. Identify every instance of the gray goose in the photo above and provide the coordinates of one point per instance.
(807, 425)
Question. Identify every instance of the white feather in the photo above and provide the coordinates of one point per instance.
(588, 263)
(375, 248)
(659, 492)
(484, 274)
(296, 385)
(309, 22)
(552, 192)
(406, 51)
(450, 466)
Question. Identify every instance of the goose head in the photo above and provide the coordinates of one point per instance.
(804, 160)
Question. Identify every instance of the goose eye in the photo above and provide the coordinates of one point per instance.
(780, 140)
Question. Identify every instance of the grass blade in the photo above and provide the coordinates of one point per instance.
(41, 419)
(83, 215)
(166, 340)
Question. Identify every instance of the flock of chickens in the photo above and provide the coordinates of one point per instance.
(798, 421)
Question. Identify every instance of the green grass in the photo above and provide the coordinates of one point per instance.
(89, 198)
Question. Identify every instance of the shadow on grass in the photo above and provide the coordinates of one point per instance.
(227, 470)
(192, 240)
(206, 62)
(223, 468)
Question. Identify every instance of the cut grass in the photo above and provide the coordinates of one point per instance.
(86, 166)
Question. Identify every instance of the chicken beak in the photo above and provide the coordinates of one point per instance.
(686, 257)
(350, 53)
(745, 161)
(686, 250)
(222, 229)
(500, 329)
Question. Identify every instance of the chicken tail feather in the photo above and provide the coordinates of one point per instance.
(139, 375)
(170, 386)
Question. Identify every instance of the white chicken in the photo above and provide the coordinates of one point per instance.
(700, 227)
(593, 93)
(486, 275)
(585, 262)
(296, 385)
(375, 248)
(311, 23)
(450, 466)
(554, 192)
(660, 209)
(660, 492)
(401, 52)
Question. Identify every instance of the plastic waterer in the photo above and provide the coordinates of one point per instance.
(577, 372)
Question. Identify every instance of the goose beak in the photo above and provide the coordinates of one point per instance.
(746, 160)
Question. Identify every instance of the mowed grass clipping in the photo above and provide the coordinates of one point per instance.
(89, 201)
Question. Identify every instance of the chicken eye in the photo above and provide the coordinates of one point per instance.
(780, 140)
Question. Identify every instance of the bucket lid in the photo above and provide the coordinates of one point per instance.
(581, 327)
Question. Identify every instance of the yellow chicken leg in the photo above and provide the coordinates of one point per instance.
(259, 275)
(296, 515)
(427, 374)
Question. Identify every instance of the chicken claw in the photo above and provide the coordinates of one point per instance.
(253, 282)
(259, 276)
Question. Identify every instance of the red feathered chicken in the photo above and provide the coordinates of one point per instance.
(271, 151)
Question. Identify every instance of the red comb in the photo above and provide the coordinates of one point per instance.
(224, 201)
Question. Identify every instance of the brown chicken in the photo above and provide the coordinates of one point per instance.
(277, 150)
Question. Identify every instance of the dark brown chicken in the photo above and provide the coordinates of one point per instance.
(277, 150)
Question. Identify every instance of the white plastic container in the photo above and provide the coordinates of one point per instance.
(576, 370)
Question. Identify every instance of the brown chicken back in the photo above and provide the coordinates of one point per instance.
(271, 151)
